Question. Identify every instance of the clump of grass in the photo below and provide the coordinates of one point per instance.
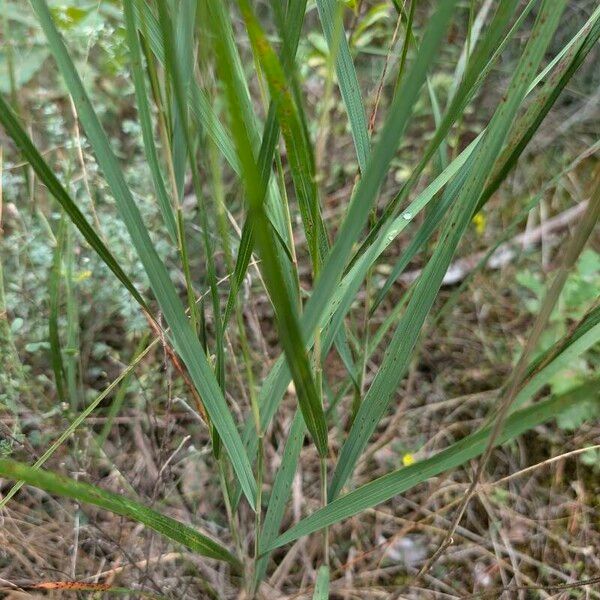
(173, 54)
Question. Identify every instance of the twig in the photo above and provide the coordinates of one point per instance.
(506, 252)
(551, 588)
(373, 116)
(539, 465)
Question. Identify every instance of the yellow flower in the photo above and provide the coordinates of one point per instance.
(82, 276)
(479, 221)
(408, 459)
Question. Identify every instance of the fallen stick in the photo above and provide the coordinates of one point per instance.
(507, 251)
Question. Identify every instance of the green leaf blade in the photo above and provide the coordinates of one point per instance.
(83, 492)
(347, 79)
(401, 480)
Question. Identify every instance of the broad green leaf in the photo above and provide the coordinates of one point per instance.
(83, 492)
(401, 480)
(185, 340)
